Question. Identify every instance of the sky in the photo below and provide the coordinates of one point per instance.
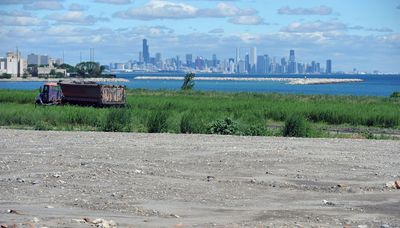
(361, 34)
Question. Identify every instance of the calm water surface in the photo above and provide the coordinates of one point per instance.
(373, 85)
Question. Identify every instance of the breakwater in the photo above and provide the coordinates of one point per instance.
(291, 81)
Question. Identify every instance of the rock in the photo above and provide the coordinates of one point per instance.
(49, 207)
(20, 180)
(35, 182)
(83, 163)
(253, 181)
(102, 223)
(56, 175)
(138, 171)
(384, 226)
(362, 226)
(35, 220)
(209, 178)
(390, 185)
(326, 202)
(174, 215)
(397, 184)
(11, 211)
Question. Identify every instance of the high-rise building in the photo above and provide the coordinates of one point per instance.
(189, 60)
(140, 57)
(214, 60)
(146, 53)
(292, 63)
(253, 60)
(329, 66)
(33, 59)
(44, 60)
(261, 64)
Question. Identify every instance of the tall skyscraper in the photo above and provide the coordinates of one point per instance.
(292, 63)
(262, 64)
(253, 60)
(189, 60)
(146, 53)
(329, 66)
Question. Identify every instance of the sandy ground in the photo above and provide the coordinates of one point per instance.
(55, 179)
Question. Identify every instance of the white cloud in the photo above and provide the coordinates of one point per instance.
(225, 10)
(76, 7)
(19, 18)
(115, 2)
(75, 17)
(247, 20)
(160, 9)
(44, 5)
(317, 26)
(319, 10)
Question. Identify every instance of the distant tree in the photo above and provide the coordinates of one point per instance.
(52, 72)
(69, 68)
(188, 81)
(89, 69)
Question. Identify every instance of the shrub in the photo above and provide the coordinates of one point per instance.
(223, 127)
(295, 126)
(190, 123)
(256, 130)
(5, 76)
(42, 126)
(157, 122)
(395, 94)
(117, 119)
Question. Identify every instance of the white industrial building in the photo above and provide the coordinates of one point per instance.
(13, 64)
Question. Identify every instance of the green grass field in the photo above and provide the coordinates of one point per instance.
(202, 112)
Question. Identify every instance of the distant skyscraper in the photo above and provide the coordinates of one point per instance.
(328, 66)
(214, 60)
(292, 63)
(140, 57)
(44, 60)
(146, 53)
(33, 59)
(189, 60)
(262, 64)
(253, 60)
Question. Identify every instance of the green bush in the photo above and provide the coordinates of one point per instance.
(117, 119)
(190, 123)
(157, 122)
(256, 130)
(223, 127)
(295, 126)
(5, 76)
(395, 95)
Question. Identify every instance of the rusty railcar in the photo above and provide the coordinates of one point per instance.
(91, 93)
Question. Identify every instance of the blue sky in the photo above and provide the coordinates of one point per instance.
(353, 33)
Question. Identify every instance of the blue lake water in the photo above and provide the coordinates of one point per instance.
(373, 85)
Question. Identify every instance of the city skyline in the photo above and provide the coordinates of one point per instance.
(320, 30)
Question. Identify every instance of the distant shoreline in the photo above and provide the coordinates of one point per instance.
(290, 81)
(64, 79)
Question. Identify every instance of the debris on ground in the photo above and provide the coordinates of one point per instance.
(397, 184)
(329, 203)
(209, 178)
(101, 223)
(11, 211)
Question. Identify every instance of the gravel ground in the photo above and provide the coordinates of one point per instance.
(55, 179)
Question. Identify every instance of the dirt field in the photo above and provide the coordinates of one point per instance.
(55, 179)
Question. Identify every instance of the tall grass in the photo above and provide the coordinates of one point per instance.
(194, 112)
